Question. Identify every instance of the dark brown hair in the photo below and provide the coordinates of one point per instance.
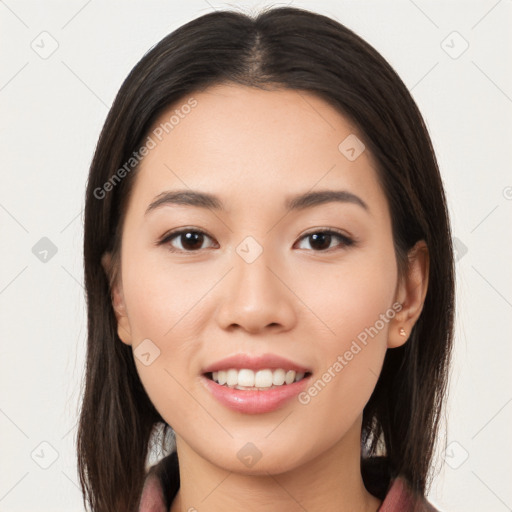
(304, 51)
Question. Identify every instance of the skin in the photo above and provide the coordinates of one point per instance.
(254, 148)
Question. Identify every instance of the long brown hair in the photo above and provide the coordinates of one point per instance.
(304, 51)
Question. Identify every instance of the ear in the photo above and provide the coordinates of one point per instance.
(117, 297)
(411, 292)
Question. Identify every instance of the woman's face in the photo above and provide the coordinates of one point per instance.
(258, 276)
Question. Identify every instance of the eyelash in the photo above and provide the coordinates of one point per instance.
(346, 241)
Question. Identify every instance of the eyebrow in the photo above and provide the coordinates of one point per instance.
(298, 202)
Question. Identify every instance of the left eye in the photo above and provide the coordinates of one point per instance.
(321, 240)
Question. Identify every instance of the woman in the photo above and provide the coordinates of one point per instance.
(269, 277)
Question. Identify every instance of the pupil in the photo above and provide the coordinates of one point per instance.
(322, 237)
(191, 239)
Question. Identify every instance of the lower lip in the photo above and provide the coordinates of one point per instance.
(255, 402)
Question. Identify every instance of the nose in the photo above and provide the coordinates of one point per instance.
(256, 297)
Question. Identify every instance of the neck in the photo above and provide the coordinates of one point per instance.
(330, 482)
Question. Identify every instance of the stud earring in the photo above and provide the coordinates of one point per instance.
(402, 332)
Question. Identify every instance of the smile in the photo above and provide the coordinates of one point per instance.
(246, 379)
(252, 399)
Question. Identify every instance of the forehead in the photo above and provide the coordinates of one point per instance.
(251, 144)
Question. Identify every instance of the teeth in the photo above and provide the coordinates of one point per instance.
(278, 377)
(232, 377)
(261, 379)
(290, 377)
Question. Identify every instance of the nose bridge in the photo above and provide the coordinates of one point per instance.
(252, 269)
(255, 297)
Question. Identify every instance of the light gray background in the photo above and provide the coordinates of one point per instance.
(52, 110)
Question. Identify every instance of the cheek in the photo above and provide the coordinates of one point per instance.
(165, 303)
(354, 305)
(160, 294)
(351, 299)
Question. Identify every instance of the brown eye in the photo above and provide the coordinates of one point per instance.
(186, 240)
(321, 241)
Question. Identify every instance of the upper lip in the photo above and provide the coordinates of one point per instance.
(255, 362)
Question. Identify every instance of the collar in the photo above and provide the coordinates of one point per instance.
(399, 497)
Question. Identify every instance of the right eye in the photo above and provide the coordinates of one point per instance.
(185, 240)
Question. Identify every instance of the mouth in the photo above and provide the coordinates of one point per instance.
(250, 391)
(255, 383)
(246, 379)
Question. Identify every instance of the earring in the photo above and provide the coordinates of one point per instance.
(402, 332)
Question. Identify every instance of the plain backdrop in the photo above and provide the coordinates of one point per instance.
(62, 64)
